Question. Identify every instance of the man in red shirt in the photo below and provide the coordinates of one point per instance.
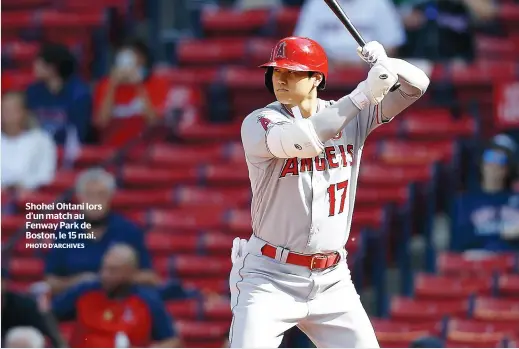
(131, 97)
(113, 307)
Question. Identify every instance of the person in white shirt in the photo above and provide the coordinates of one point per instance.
(29, 155)
(375, 19)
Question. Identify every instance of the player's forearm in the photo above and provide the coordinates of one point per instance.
(414, 82)
(332, 120)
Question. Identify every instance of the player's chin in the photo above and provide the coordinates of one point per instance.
(283, 96)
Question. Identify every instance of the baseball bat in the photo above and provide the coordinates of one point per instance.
(339, 12)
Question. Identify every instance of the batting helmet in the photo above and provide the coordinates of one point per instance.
(298, 54)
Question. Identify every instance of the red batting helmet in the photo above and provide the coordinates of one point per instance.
(299, 54)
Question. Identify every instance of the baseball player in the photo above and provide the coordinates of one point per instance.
(303, 156)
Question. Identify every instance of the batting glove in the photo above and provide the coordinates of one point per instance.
(238, 249)
(373, 90)
(372, 52)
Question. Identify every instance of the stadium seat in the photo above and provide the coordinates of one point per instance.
(141, 198)
(225, 173)
(471, 330)
(433, 287)
(164, 155)
(185, 309)
(212, 52)
(218, 284)
(489, 47)
(210, 266)
(202, 330)
(416, 310)
(383, 175)
(217, 309)
(244, 78)
(231, 23)
(64, 179)
(259, 51)
(16, 23)
(403, 152)
(26, 268)
(475, 343)
(397, 334)
(508, 285)
(16, 80)
(188, 76)
(214, 243)
(441, 128)
(204, 217)
(368, 196)
(141, 176)
(12, 5)
(368, 217)
(92, 155)
(168, 243)
(239, 221)
(189, 196)
(450, 263)
(285, 19)
(496, 309)
(11, 224)
(209, 133)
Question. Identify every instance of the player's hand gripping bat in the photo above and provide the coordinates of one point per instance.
(339, 12)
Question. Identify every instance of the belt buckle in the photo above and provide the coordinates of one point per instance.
(317, 257)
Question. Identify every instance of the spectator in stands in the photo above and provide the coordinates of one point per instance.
(488, 219)
(21, 312)
(427, 342)
(24, 337)
(131, 97)
(67, 267)
(444, 30)
(115, 309)
(29, 155)
(60, 100)
(375, 19)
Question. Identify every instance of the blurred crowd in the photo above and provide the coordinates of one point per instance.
(61, 111)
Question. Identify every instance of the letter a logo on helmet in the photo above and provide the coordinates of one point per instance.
(297, 54)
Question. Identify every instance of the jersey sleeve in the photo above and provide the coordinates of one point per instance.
(254, 131)
(369, 119)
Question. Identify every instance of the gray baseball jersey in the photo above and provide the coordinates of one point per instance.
(306, 205)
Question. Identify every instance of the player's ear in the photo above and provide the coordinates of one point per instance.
(318, 78)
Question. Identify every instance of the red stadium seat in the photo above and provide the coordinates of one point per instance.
(439, 129)
(211, 52)
(188, 76)
(202, 196)
(204, 217)
(207, 284)
(482, 73)
(10, 224)
(190, 330)
(226, 174)
(471, 330)
(489, 47)
(16, 80)
(214, 243)
(217, 309)
(233, 77)
(141, 198)
(64, 179)
(209, 133)
(457, 263)
(401, 152)
(240, 221)
(508, 285)
(429, 286)
(37, 197)
(184, 309)
(229, 22)
(391, 129)
(70, 20)
(168, 243)
(496, 309)
(91, 155)
(415, 310)
(396, 334)
(20, 51)
(286, 20)
(141, 176)
(378, 174)
(163, 155)
(368, 217)
(202, 265)
(367, 196)
(474, 343)
(26, 268)
(10, 5)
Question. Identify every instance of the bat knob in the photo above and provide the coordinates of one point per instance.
(395, 87)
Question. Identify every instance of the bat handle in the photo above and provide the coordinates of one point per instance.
(395, 87)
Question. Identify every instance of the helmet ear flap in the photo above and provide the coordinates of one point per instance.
(268, 79)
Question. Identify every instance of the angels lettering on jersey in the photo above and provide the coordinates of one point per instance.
(333, 156)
